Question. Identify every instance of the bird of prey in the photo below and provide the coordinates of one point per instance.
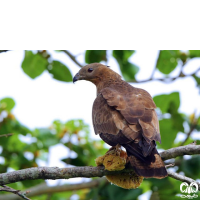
(125, 115)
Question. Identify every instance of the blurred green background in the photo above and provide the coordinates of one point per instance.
(177, 128)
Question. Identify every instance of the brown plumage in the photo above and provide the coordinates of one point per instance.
(125, 115)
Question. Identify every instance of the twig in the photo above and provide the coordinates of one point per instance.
(44, 189)
(17, 192)
(182, 178)
(193, 126)
(6, 135)
(166, 80)
(170, 165)
(72, 57)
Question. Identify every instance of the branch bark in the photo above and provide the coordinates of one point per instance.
(189, 149)
(45, 189)
(88, 172)
(53, 173)
(183, 178)
(17, 192)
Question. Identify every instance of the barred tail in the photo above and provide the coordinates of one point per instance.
(149, 166)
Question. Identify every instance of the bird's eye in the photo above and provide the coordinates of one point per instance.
(90, 70)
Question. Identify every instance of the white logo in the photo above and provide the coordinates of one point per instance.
(192, 188)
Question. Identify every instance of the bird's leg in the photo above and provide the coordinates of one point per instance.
(114, 159)
(116, 150)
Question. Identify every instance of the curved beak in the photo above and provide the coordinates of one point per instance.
(76, 77)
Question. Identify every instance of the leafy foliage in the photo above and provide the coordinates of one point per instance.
(16, 153)
(129, 70)
(164, 189)
(7, 104)
(194, 53)
(60, 71)
(92, 56)
(108, 191)
(35, 64)
(188, 167)
(166, 102)
(167, 61)
(171, 121)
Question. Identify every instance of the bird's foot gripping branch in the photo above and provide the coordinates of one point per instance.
(115, 160)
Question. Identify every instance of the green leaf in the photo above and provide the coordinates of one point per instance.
(194, 53)
(129, 71)
(187, 166)
(45, 136)
(74, 126)
(108, 191)
(145, 186)
(169, 127)
(28, 183)
(11, 125)
(178, 120)
(164, 189)
(34, 64)
(167, 101)
(122, 55)
(92, 56)
(60, 71)
(167, 61)
(14, 144)
(7, 104)
(197, 79)
(168, 133)
(79, 161)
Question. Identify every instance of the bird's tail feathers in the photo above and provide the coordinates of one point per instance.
(148, 166)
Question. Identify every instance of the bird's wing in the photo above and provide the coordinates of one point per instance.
(138, 110)
(102, 117)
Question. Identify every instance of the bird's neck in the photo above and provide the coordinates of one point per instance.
(107, 80)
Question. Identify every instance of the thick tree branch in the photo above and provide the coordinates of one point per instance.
(44, 189)
(88, 172)
(53, 173)
(72, 57)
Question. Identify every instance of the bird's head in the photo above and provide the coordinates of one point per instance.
(94, 73)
